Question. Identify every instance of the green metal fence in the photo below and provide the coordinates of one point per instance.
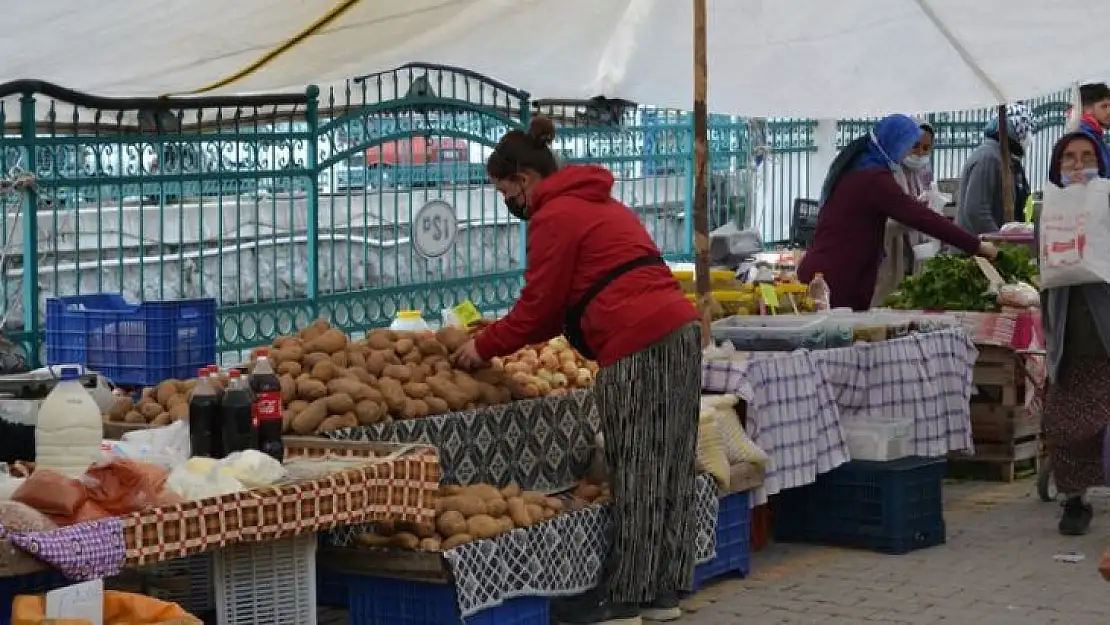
(287, 208)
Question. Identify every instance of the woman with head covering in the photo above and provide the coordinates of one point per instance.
(1077, 335)
(865, 187)
(979, 199)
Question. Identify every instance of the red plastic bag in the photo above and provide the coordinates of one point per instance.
(123, 486)
(52, 493)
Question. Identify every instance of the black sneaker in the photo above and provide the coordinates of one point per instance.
(1077, 516)
(664, 608)
(603, 614)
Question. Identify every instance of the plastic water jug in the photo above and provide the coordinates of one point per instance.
(69, 430)
(409, 321)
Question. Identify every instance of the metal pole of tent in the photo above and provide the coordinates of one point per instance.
(701, 168)
(1007, 171)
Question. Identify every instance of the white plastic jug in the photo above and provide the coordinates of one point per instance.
(409, 321)
(69, 430)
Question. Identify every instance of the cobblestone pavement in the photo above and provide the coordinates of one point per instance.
(997, 568)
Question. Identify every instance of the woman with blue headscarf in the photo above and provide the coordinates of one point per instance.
(866, 186)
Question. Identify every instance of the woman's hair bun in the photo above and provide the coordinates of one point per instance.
(541, 130)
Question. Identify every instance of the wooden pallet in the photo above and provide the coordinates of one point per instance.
(998, 461)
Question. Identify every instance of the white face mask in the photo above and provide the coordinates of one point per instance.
(915, 162)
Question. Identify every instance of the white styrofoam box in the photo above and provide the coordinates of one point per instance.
(271, 582)
(878, 439)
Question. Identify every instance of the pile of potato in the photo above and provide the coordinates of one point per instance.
(480, 511)
(158, 405)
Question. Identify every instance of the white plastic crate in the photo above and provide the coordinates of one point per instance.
(878, 439)
(272, 582)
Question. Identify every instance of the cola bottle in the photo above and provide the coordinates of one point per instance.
(266, 409)
(236, 419)
(204, 412)
(217, 444)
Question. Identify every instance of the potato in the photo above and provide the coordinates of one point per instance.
(147, 394)
(554, 503)
(483, 526)
(178, 412)
(314, 330)
(404, 346)
(345, 385)
(404, 540)
(138, 417)
(452, 337)
(577, 504)
(506, 524)
(340, 403)
(417, 390)
(164, 391)
(534, 498)
(374, 541)
(355, 359)
(310, 389)
(160, 420)
(518, 512)
(380, 338)
(467, 505)
(512, 490)
(363, 376)
(535, 513)
(288, 388)
(423, 530)
(328, 342)
(307, 420)
(483, 491)
(589, 492)
(290, 368)
(282, 342)
(497, 507)
(325, 370)
(393, 394)
(313, 359)
(451, 490)
(337, 422)
(150, 409)
(177, 399)
(412, 358)
(430, 544)
(446, 390)
(451, 523)
(414, 409)
(489, 376)
(443, 366)
(468, 385)
(120, 407)
(549, 514)
(397, 372)
(431, 347)
(296, 406)
(491, 394)
(456, 541)
(290, 352)
(369, 412)
(386, 528)
(436, 405)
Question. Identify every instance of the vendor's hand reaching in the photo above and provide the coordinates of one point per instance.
(987, 250)
(467, 357)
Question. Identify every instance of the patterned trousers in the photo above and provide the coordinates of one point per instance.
(649, 404)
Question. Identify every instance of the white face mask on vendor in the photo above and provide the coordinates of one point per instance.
(915, 162)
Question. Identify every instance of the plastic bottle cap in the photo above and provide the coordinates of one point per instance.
(69, 373)
(818, 275)
(409, 314)
(261, 351)
(234, 373)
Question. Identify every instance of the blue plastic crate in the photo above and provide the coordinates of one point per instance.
(389, 601)
(891, 507)
(33, 584)
(331, 588)
(133, 344)
(734, 525)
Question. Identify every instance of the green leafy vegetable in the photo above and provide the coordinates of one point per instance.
(955, 282)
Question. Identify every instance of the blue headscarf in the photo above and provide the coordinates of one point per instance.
(885, 146)
(891, 140)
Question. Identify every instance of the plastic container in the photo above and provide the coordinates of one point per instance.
(891, 507)
(778, 333)
(733, 541)
(132, 344)
(409, 602)
(878, 439)
(267, 582)
(69, 429)
(409, 321)
(819, 292)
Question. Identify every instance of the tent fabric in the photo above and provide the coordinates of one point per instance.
(806, 58)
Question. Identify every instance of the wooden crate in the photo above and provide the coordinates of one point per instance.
(991, 423)
(999, 377)
(998, 461)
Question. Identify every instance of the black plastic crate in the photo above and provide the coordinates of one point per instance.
(804, 223)
(891, 507)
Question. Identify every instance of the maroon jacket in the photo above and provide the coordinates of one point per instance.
(848, 245)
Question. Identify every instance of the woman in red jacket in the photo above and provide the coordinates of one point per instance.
(595, 276)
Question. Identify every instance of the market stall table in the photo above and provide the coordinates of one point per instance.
(797, 401)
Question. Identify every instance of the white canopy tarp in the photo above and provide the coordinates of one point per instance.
(806, 58)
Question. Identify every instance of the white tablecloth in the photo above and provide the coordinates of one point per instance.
(797, 401)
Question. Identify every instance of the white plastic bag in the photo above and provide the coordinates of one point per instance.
(253, 468)
(1075, 235)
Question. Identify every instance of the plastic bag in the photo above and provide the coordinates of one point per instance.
(253, 468)
(167, 446)
(1020, 295)
(121, 486)
(200, 478)
(120, 608)
(52, 493)
(1075, 235)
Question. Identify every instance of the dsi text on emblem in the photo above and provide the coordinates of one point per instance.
(434, 229)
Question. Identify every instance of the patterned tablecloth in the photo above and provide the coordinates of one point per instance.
(403, 487)
(797, 401)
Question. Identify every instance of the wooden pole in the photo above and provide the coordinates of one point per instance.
(701, 168)
(1007, 170)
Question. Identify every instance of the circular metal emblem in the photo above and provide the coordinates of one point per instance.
(434, 229)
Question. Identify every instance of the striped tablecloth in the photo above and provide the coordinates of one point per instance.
(797, 401)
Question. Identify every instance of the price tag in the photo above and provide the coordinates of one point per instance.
(467, 313)
(767, 292)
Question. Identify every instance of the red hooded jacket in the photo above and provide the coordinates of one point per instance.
(577, 233)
